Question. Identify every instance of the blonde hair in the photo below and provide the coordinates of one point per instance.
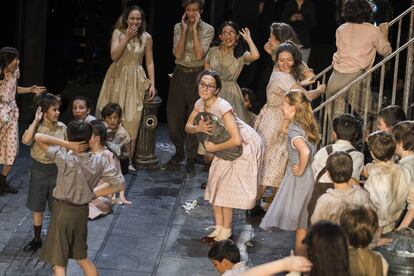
(303, 116)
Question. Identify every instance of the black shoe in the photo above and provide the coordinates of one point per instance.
(33, 245)
(5, 186)
(256, 211)
(203, 185)
(175, 160)
(190, 170)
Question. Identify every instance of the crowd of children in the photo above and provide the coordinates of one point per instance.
(339, 205)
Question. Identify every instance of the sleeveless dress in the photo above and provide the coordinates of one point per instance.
(288, 210)
(229, 69)
(125, 83)
(9, 117)
(233, 184)
(269, 125)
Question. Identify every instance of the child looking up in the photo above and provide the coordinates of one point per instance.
(288, 209)
(331, 204)
(360, 224)
(79, 172)
(387, 183)
(43, 172)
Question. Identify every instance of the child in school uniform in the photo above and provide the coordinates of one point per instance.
(103, 205)
(79, 171)
(331, 204)
(43, 172)
(387, 183)
(118, 135)
(360, 224)
(288, 209)
(345, 130)
(403, 133)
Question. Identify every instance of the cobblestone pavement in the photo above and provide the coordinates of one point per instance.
(154, 236)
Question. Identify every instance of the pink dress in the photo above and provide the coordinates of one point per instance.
(9, 116)
(233, 184)
(269, 125)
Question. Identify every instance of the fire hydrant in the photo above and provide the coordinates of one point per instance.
(145, 157)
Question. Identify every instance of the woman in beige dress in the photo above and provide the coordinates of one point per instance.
(227, 57)
(125, 82)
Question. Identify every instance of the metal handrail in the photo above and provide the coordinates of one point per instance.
(346, 88)
(392, 22)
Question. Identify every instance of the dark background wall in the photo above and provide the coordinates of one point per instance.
(64, 45)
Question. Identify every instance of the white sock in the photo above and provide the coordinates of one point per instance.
(216, 231)
(224, 234)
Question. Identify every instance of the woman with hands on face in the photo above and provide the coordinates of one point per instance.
(228, 56)
(231, 183)
(126, 82)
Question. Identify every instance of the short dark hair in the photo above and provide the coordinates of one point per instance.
(111, 108)
(339, 166)
(249, 93)
(346, 127)
(225, 249)
(403, 132)
(200, 3)
(86, 100)
(45, 101)
(99, 129)
(357, 11)
(327, 249)
(359, 224)
(79, 131)
(210, 73)
(382, 145)
(391, 115)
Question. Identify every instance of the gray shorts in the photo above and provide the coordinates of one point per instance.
(42, 183)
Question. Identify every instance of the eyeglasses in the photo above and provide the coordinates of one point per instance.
(207, 86)
(231, 33)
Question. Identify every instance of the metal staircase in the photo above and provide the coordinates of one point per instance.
(377, 87)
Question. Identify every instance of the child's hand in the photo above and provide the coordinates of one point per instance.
(210, 147)
(123, 200)
(296, 263)
(383, 241)
(78, 147)
(296, 171)
(39, 114)
(204, 126)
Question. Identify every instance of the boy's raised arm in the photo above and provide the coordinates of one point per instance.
(44, 141)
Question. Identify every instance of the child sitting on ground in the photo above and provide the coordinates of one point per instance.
(43, 172)
(389, 116)
(79, 172)
(117, 135)
(345, 130)
(103, 204)
(249, 98)
(360, 224)
(331, 204)
(403, 133)
(225, 256)
(81, 109)
(387, 183)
